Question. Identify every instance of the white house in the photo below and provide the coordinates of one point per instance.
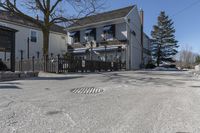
(29, 38)
(110, 36)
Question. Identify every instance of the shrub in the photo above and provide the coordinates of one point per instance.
(150, 65)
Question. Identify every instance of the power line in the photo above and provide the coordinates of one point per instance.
(186, 8)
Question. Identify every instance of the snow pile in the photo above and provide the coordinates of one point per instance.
(165, 69)
(197, 67)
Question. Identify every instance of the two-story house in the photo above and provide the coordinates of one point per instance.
(29, 38)
(109, 36)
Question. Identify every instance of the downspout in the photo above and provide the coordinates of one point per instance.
(142, 37)
(128, 46)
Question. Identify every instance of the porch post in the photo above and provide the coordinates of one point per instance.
(5, 55)
(12, 61)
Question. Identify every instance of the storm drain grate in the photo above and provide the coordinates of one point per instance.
(86, 90)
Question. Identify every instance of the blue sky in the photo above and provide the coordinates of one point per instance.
(185, 14)
(186, 17)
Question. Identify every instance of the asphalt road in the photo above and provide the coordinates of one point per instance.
(131, 102)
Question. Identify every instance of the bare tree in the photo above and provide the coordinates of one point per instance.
(186, 57)
(51, 12)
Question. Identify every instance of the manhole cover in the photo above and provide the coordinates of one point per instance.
(86, 90)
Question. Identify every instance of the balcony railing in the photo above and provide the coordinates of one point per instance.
(102, 43)
(113, 42)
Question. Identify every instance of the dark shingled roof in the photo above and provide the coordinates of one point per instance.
(106, 16)
(7, 28)
(5, 15)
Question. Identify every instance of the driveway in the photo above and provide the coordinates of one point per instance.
(131, 102)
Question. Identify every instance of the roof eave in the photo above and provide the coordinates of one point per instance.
(93, 24)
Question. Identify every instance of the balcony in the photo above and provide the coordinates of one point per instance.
(114, 42)
(102, 43)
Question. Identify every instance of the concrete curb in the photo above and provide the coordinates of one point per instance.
(8, 76)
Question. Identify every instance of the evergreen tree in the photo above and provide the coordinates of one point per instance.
(197, 59)
(164, 44)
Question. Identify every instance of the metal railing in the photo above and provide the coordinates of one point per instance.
(67, 65)
(63, 65)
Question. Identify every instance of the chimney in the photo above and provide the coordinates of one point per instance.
(142, 16)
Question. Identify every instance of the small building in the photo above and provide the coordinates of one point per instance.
(110, 36)
(29, 38)
(7, 44)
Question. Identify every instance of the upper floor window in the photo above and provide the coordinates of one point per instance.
(109, 32)
(75, 36)
(90, 35)
(33, 36)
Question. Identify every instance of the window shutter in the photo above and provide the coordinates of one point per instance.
(78, 36)
(114, 30)
(95, 34)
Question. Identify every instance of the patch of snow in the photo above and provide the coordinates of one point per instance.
(165, 69)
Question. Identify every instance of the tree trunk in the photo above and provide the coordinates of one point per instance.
(158, 62)
(45, 47)
(158, 58)
(45, 42)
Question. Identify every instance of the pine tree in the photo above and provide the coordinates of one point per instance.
(197, 60)
(164, 44)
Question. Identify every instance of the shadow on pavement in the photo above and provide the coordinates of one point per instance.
(9, 83)
(195, 86)
(56, 78)
(53, 112)
(9, 87)
(133, 80)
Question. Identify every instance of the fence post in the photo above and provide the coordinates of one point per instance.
(33, 63)
(45, 62)
(58, 64)
(112, 66)
(19, 65)
(83, 65)
(120, 65)
(21, 60)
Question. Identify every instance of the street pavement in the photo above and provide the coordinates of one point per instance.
(114, 102)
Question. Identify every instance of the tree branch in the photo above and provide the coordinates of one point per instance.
(39, 4)
(55, 5)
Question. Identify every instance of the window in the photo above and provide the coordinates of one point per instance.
(90, 35)
(75, 36)
(33, 36)
(109, 32)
